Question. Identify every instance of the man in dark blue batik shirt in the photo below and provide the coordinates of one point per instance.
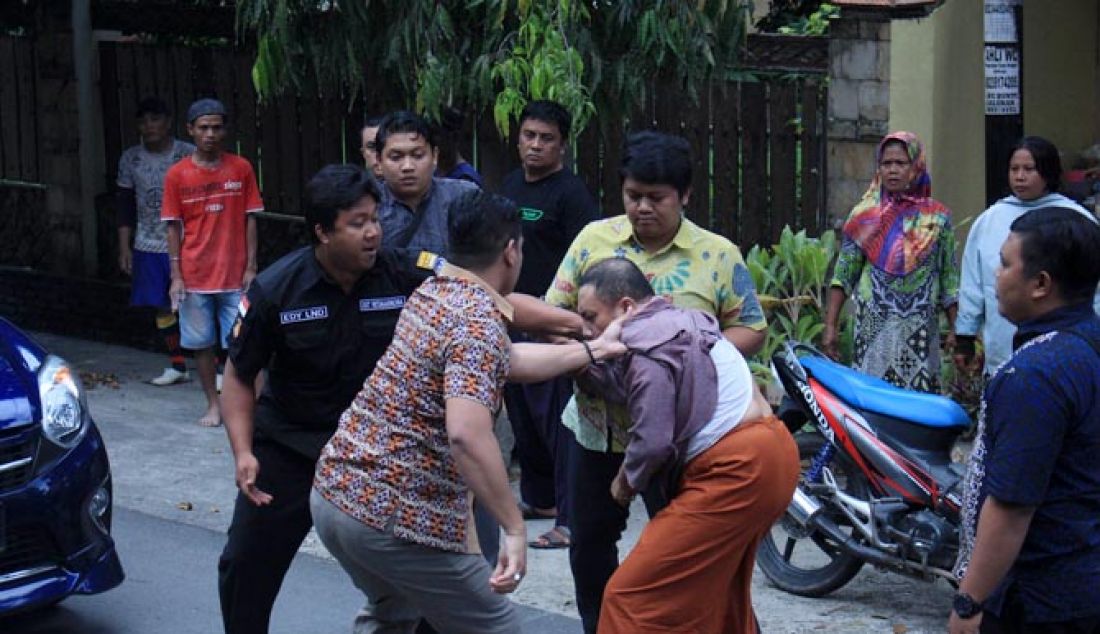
(1030, 556)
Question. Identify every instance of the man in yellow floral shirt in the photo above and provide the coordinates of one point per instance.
(690, 266)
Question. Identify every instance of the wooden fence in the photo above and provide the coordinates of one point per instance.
(758, 144)
(19, 118)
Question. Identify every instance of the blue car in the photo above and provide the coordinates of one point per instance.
(55, 482)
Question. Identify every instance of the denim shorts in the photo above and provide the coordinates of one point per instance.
(206, 318)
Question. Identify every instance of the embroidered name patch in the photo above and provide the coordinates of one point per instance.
(373, 304)
(303, 314)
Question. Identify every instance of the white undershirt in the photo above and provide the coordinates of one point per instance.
(734, 397)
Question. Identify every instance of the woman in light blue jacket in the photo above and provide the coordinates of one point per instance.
(1034, 174)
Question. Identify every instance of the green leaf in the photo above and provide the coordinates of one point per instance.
(594, 56)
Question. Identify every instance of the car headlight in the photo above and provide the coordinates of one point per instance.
(64, 417)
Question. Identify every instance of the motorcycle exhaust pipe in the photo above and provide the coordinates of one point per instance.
(849, 544)
(804, 509)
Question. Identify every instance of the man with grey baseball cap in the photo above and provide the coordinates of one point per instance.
(209, 202)
(205, 107)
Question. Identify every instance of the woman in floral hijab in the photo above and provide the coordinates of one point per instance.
(897, 262)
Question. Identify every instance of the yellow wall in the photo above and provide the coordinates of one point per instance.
(937, 78)
(1060, 70)
(936, 91)
(912, 62)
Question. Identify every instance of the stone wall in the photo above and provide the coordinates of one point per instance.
(859, 109)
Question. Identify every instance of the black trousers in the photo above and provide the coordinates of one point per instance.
(596, 523)
(542, 444)
(263, 539)
(1012, 620)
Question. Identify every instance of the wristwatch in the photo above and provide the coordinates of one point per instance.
(965, 606)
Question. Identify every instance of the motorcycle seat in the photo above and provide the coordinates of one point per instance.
(873, 394)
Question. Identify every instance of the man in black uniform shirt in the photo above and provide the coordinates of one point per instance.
(555, 205)
(318, 320)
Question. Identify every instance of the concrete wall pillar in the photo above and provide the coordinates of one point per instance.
(859, 109)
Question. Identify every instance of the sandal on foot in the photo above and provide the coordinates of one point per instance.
(557, 537)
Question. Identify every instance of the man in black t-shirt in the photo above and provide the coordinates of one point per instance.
(555, 205)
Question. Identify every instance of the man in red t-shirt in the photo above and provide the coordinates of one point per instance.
(209, 199)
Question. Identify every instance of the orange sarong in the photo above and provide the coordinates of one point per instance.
(691, 571)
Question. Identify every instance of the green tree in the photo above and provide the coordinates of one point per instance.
(791, 16)
(588, 54)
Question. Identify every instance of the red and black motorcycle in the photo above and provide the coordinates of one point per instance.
(878, 484)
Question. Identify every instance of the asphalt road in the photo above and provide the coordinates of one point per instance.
(171, 588)
(174, 494)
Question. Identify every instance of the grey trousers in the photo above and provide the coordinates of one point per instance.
(404, 581)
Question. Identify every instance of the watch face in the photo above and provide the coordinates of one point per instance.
(965, 605)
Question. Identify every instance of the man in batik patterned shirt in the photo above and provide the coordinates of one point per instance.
(394, 488)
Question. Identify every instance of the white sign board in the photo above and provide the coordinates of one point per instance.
(1002, 80)
(1000, 21)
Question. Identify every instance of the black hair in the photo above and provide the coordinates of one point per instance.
(549, 112)
(373, 122)
(154, 106)
(1047, 161)
(656, 158)
(615, 278)
(479, 226)
(451, 136)
(452, 119)
(404, 121)
(332, 190)
(1064, 243)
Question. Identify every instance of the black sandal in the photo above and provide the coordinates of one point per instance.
(557, 537)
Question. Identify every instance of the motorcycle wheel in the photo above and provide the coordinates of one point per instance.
(809, 564)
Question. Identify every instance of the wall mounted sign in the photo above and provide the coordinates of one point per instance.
(1000, 21)
(1002, 80)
